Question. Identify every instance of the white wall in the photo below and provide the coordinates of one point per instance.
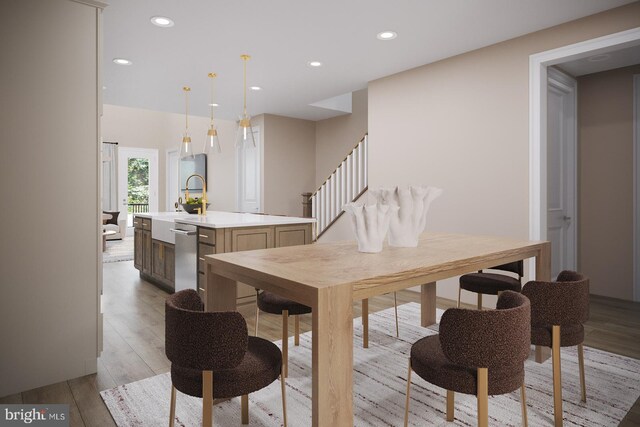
(289, 163)
(135, 127)
(462, 124)
(49, 265)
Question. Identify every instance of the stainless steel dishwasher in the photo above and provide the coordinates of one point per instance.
(186, 256)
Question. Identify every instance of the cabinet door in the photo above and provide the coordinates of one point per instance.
(157, 259)
(247, 239)
(137, 248)
(170, 264)
(146, 251)
(292, 235)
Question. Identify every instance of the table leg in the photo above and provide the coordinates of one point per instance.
(428, 304)
(543, 273)
(221, 292)
(332, 357)
(365, 323)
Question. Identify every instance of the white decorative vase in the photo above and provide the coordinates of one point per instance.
(409, 220)
(370, 222)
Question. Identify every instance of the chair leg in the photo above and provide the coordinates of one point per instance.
(207, 398)
(285, 342)
(365, 323)
(297, 323)
(244, 403)
(395, 305)
(257, 315)
(172, 408)
(479, 301)
(583, 386)
(483, 397)
(459, 295)
(451, 399)
(557, 381)
(406, 403)
(257, 312)
(523, 402)
(284, 397)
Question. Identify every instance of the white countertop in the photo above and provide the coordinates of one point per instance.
(219, 219)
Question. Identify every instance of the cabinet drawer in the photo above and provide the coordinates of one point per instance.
(146, 223)
(137, 222)
(207, 235)
(204, 250)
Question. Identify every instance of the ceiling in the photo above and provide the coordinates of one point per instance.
(282, 36)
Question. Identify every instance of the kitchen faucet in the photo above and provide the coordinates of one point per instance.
(202, 211)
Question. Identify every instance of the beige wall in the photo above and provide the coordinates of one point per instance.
(289, 163)
(49, 269)
(463, 124)
(337, 136)
(605, 141)
(135, 127)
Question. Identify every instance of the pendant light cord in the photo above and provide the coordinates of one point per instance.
(245, 87)
(186, 114)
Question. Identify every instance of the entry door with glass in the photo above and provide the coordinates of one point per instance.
(137, 181)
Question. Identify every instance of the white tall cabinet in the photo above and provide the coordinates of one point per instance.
(50, 258)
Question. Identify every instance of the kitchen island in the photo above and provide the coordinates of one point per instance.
(174, 266)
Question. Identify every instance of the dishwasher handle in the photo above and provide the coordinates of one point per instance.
(183, 232)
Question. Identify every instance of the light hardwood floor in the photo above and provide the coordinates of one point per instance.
(134, 341)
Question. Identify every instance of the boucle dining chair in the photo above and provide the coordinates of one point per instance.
(558, 311)
(487, 283)
(212, 356)
(476, 352)
(275, 304)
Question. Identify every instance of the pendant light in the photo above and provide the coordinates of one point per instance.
(245, 131)
(212, 143)
(186, 148)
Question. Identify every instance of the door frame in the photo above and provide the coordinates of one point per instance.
(170, 185)
(152, 155)
(566, 84)
(538, 64)
(636, 187)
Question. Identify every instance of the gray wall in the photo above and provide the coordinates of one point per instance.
(49, 252)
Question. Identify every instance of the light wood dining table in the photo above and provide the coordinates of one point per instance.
(329, 277)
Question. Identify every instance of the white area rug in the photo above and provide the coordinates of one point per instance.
(380, 372)
(118, 250)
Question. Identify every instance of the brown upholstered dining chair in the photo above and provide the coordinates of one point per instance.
(487, 283)
(212, 356)
(558, 311)
(275, 304)
(476, 352)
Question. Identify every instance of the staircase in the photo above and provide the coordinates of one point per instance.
(346, 184)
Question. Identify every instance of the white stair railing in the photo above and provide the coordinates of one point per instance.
(346, 184)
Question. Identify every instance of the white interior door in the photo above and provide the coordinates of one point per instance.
(173, 187)
(249, 178)
(149, 157)
(561, 171)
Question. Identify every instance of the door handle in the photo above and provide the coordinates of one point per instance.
(183, 232)
(566, 218)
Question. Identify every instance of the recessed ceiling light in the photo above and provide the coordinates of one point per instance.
(104, 88)
(122, 61)
(255, 88)
(598, 58)
(162, 21)
(314, 64)
(213, 105)
(387, 35)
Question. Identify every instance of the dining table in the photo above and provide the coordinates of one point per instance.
(329, 277)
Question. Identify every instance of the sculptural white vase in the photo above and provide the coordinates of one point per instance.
(409, 220)
(370, 223)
